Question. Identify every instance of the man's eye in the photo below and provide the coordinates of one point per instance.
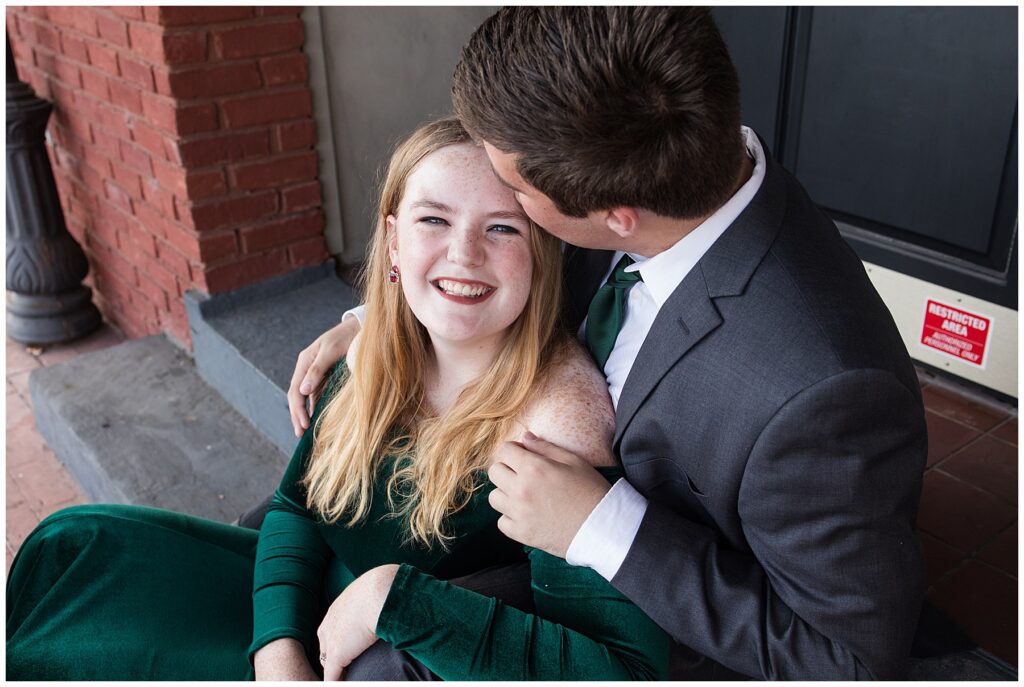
(504, 229)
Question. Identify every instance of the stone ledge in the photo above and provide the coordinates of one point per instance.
(134, 423)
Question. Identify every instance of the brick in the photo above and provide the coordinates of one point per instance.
(183, 120)
(149, 138)
(114, 120)
(80, 128)
(126, 95)
(109, 145)
(97, 161)
(117, 195)
(136, 158)
(184, 241)
(47, 37)
(103, 58)
(282, 232)
(177, 263)
(277, 171)
(171, 177)
(224, 147)
(153, 220)
(138, 73)
(301, 197)
(296, 135)
(284, 69)
(74, 48)
(312, 251)
(260, 39)
(184, 47)
(230, 211)
(138, 246)
(62, 97)
(217, 246)
(46, 61)
(162, 81)
(160, 275)
(209, 82)
(159, 197)
(112, 29)
(187, 15)
(127, 12)
(156, 45)
(267, 108)
(128, 180)
(83, 20)
(95, 83)
(208, 184)
(68, 72)
(246, 271)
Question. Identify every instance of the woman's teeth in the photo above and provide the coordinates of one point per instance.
(454, 288)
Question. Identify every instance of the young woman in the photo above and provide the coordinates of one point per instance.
(385, 496)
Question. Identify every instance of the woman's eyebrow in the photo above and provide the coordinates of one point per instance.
(508, 214)
(432, 204)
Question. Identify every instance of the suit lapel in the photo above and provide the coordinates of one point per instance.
(690, 313)
(686, 318)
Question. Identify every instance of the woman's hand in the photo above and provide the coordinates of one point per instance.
(311, 366)
(350, 626)
(283, 660)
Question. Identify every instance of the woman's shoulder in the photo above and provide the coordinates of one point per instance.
(572, 408)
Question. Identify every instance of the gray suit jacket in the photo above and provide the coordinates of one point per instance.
(774, 421)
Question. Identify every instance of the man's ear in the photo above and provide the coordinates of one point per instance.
(623, 220)
(392, 235)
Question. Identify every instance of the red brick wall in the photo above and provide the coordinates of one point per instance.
(182, 143)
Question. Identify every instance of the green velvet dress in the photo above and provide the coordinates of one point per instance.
(133, 593)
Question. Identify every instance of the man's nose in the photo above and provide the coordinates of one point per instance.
(465, 249)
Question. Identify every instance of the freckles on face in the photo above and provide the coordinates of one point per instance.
(462, 244)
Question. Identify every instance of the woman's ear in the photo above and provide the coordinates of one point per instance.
(623, 220)
(392, 234)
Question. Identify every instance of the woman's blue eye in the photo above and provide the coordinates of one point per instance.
(504, 229)
(433, 220)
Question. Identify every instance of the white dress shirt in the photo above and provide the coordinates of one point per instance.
(604, 539)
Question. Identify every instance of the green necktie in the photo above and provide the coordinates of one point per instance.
(607, 310)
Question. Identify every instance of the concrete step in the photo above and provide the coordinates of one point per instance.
(135, 423)
(245, 342)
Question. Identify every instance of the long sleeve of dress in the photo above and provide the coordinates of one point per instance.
(291, 556)
(583, 629)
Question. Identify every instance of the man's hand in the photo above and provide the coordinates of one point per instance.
(543, 492)
(311, 366)
(350, 626)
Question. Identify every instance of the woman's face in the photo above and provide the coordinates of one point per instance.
(462, 245)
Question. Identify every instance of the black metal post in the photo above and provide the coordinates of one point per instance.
(46, 301)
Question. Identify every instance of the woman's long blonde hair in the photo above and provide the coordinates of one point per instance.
(381, 410)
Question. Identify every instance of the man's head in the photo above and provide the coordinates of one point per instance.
(601, 107)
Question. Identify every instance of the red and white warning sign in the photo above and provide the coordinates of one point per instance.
(956, 332)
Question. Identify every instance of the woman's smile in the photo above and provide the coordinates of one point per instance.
(462, 290)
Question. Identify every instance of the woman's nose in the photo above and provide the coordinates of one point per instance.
(464, 249)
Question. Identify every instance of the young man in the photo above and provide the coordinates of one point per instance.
(768, 417)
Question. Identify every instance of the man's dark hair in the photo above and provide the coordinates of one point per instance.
(607, 106)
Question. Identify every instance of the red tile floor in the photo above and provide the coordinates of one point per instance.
(968, 518)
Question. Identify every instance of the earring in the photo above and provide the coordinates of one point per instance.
(393, 275)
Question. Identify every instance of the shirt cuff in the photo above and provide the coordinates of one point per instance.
(607, 534)
(358, 312)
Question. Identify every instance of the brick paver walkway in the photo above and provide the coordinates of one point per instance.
(37, 483)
